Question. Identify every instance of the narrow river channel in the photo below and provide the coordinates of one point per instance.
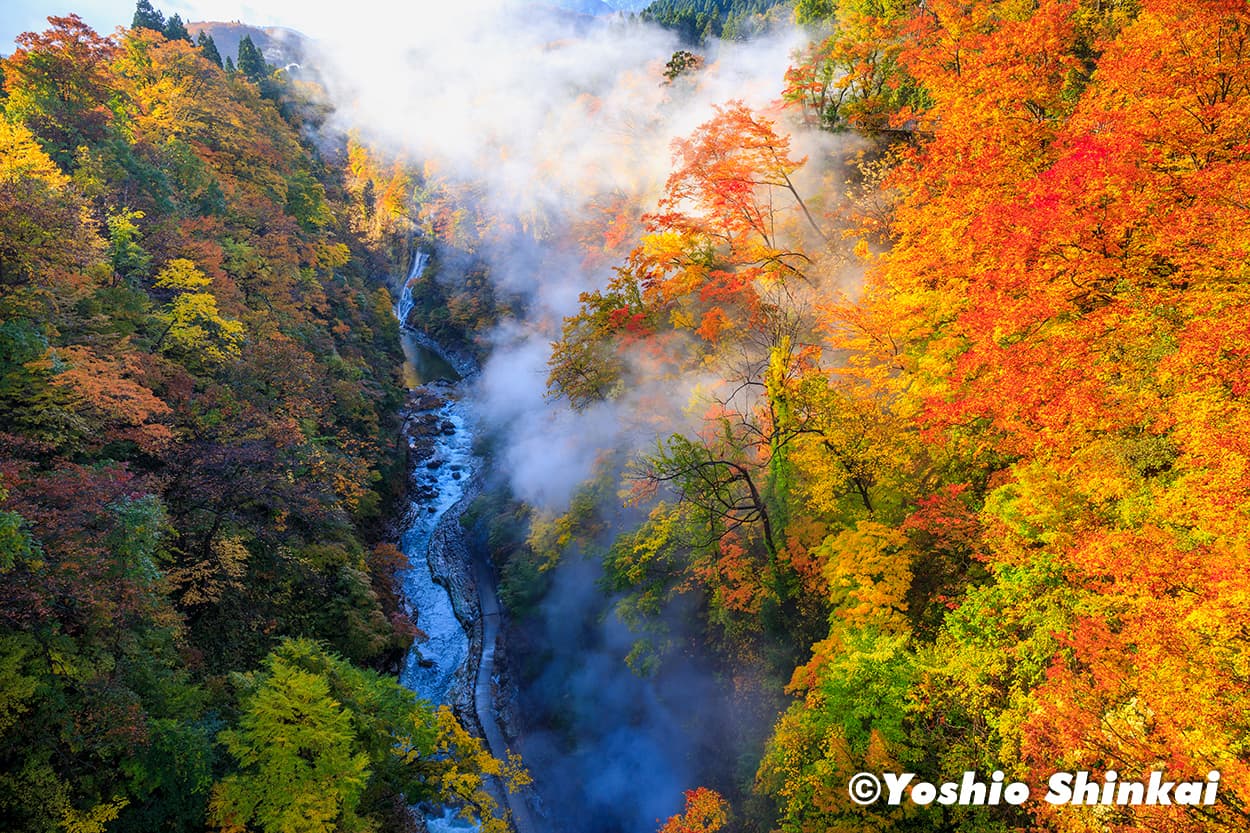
(442, 479)
(437, 485)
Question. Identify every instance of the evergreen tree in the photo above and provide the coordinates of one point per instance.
(230, 65)
(175, 29)
(251, 62)
(209, 48)
(146, 17)
(682, 62)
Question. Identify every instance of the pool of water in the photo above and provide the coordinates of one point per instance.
(422, 365)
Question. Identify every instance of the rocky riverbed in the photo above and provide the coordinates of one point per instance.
(449, 592)
(439, 588)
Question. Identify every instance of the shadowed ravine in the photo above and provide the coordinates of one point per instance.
(483, 692)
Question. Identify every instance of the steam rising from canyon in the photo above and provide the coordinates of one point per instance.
(542, 112)
(545, 112)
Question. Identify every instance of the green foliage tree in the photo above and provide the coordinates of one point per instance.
(814, 12)
(853, 717)
(175, 29)
(698, 20)
(300, 767)
(147, 17)
(251, 62)
(29, 401)
(322, 745)
(209, 47)
(127, 257)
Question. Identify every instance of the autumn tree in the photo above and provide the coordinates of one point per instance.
(176, 498)
(1040, 313)
(722, 283)
(39, 207)
(852, 77)
(58, 86)
(705, 812)
(722, 257)
(194, 323)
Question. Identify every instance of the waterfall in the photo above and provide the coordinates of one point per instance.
(403, 307)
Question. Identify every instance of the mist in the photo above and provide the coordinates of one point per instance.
(618, 749)
(544, 111)
(539, 114)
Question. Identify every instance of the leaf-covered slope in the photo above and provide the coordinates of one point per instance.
(198, 388)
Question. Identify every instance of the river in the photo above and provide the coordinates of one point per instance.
(437, 485)
(441, 482)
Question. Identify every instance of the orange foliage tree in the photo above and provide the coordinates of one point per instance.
(706, 812)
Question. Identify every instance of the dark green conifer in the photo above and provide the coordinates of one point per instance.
(251, 62)
(146, 17)
(209, 47)
(175, 29)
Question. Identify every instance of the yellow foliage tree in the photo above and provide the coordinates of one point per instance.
(194, 324)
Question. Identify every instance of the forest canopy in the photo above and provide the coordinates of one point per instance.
(958, 480)
(994, 498)
(198, 399)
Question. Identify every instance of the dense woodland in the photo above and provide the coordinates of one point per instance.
(198, 403)
(698, 20)
(970, 494)
(993, 498)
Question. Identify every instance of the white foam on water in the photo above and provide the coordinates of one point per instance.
(431, 664)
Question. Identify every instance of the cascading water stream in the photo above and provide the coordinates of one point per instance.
(431, 664)
(403, 307)
(437, 484)
(445, 468)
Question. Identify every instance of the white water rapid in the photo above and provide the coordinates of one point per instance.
(437, 484)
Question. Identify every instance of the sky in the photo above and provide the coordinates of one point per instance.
(19, 16)
(312, 17)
